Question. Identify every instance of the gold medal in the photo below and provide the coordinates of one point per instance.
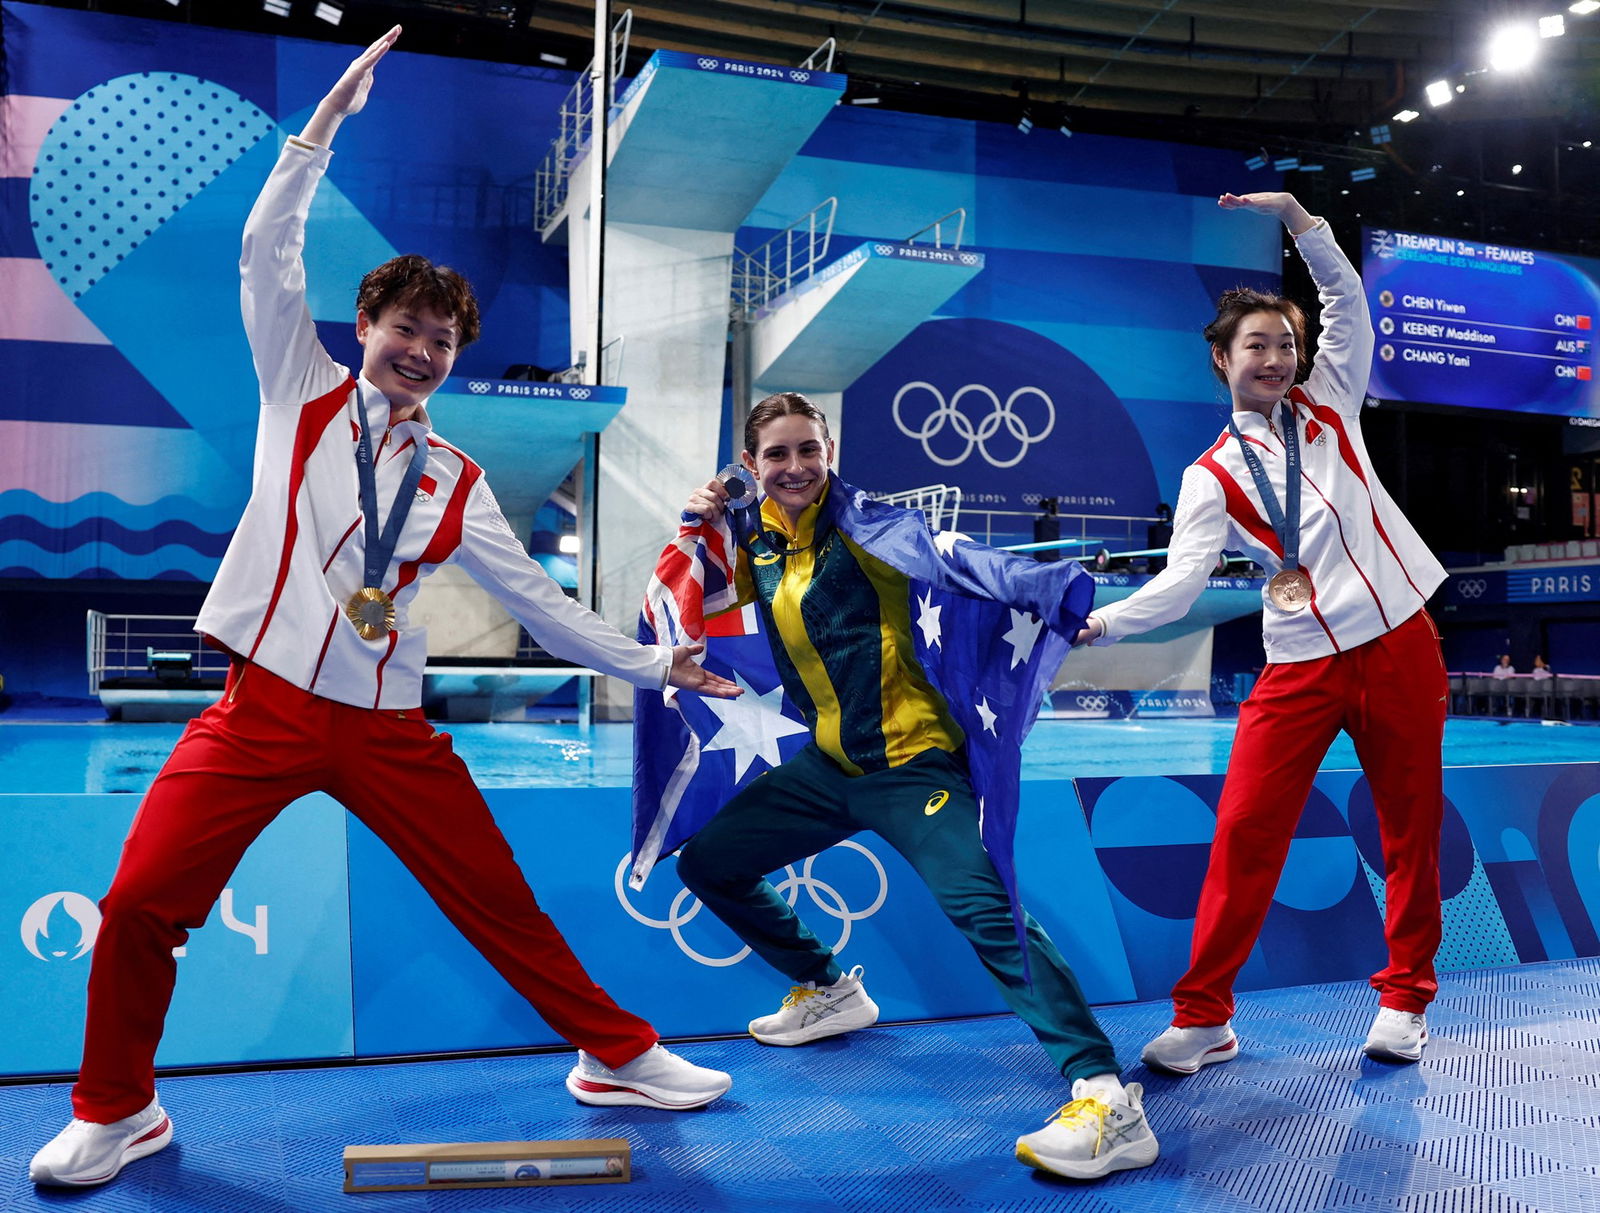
(372, 611)
(1290, 590)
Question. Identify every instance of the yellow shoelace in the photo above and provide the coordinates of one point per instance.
(797, 995)
(1081, 1111)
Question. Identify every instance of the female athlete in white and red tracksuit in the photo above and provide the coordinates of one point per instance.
(1363, 656)
(310, 705)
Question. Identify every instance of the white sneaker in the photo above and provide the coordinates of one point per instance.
(85, 1153)
(811, 1012)
(1397, 1036)
(1185, 1050)
(1097, 1133)
(654, 1079)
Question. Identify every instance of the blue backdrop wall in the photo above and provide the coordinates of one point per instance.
(136, 148)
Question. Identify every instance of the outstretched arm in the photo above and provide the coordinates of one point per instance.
(349, 94)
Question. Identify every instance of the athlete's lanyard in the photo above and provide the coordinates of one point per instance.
(1286, 524)
(380, 547)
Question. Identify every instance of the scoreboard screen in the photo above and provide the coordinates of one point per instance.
(1484, 325)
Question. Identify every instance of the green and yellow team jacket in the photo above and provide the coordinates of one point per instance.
(839, 623)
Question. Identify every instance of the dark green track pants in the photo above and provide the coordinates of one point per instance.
(808, 804)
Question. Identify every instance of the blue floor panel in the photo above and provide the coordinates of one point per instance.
(1501, 1116)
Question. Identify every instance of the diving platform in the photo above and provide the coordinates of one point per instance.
(695, 141)
(829, 329)
(526, 435)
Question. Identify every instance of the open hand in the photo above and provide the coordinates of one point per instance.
(350, 93)
(689, 675)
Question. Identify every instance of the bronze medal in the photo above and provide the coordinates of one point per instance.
(1290, 590)
(372, 611)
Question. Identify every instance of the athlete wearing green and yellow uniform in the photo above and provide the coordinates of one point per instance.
(885, 755)
(846, 657)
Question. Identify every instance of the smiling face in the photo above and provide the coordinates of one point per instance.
(791, 461)
(407, 352)
(1259, 362)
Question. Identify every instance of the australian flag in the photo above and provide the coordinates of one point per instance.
(991, 629)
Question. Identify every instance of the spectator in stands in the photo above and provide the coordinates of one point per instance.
(1505, 669)
(1541, 668)
(326, 678)
(1348, 642)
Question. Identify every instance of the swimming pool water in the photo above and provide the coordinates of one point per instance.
(112, 757)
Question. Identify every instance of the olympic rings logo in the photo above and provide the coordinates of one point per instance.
(579, 393)
(967, 258)
(685, 906)
(706, 64)
(477, 386)
(1094, 703)
(883, 250)
(799, 77)
(1472, 587)
(976, 436)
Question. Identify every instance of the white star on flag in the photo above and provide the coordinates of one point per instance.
(946, 541)
(986, 714)
(928, 619)
(751, 726)
(1025, 629)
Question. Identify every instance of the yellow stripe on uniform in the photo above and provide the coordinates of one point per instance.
(914, 716)
(792, 628)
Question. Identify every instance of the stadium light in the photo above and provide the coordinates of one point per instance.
(1439, 93)
(278, 8)
(1413, 115)
(1286, 164)
(1513, 48)
(1584, 7)
(331, 13)
(1552, 26)
(1363, 174)
(1259, 160)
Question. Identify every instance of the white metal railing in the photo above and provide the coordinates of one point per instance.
(1114, 531)
(610, 364)
(141, 646)
(826, 49)
(940, 502)
(768, 270)
(937, 228)
(575, 123)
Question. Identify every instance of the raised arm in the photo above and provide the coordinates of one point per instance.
(1343, 364)
(290, 362)
(349, 94)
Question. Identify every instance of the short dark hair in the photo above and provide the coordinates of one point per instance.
(412, 281)
(780, 404)
(1233, 306)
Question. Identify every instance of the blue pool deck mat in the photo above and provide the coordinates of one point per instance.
(1500, 1116)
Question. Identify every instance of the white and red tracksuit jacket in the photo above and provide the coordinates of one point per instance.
(1369, 570)
(297, 556)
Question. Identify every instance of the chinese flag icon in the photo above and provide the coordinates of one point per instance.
(1585, 372)
(1584, 322)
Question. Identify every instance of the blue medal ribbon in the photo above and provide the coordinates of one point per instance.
(380, 547)
(1285, 523)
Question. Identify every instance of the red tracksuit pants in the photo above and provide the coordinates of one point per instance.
(236, 767)
(1390, 695)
